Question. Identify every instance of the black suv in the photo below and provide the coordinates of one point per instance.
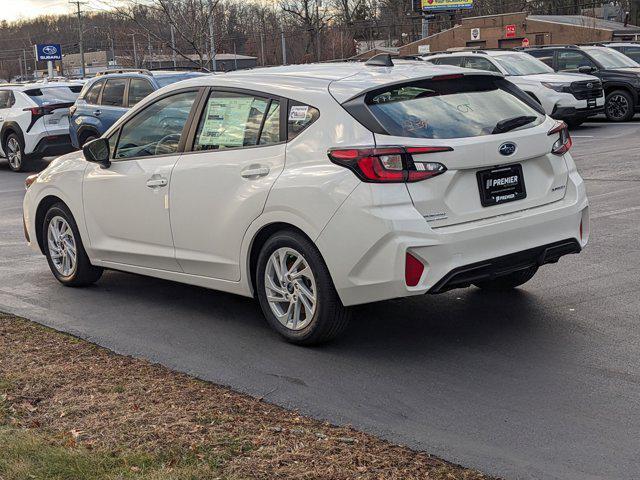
(620, 75)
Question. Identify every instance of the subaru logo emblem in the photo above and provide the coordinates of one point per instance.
(507, 148)
(49, 50)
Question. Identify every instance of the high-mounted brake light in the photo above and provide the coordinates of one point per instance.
(389, 164)
(452, 76)
(564, 143)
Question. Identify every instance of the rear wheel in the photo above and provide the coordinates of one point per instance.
(619, 106)
(510, 281)
(63, 248)
(296, 292)
(14, 150)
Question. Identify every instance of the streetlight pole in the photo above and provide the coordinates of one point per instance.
(173, 45)
(213, 42)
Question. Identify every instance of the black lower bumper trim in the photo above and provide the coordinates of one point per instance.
(53, 145)
(571, 113)
(486, 270)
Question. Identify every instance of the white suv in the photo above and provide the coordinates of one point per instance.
(572, 97)
(318, 187)
(34, 121)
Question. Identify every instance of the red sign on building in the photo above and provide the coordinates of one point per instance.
(510, 31)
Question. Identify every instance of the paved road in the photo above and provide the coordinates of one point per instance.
(541, 383)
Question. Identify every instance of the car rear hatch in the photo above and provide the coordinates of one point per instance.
(53, 103)
(493, 146)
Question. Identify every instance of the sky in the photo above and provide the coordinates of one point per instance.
(16, 9)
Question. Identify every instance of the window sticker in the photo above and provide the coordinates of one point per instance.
(225, 121)
(298, 113)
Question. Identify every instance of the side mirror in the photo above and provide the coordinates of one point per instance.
(97, 151)
(586, 69)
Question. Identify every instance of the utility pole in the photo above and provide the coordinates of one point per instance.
(135, 52)
(24, 57)
(21, 73)
(318, 29)
(341, 44)
(235, 56)
(173, 45)
(213, 41)
(80, 34)
(283, 42)
(262, 48)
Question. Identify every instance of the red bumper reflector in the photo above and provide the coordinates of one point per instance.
(412, 270)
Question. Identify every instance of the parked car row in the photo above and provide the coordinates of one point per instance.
(42, 119)
(317, 187)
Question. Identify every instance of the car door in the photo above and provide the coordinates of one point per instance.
(220, 187)
(112, 101)
(126, 206)
(572, 60)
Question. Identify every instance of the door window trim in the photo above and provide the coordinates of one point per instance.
(186, 129)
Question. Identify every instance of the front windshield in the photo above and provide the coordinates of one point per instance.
(610, 58)
(522, 64)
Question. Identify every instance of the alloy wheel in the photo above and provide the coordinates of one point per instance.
(62, 246)
(14, 155)
(290, 287)
(617, 106)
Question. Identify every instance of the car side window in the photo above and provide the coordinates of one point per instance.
(454, 61)
(573, 60)
(235, 120)
(157, 129)
(138, 89)
(633, 53)
(299, 117)
(545, 56)
(6, 99)
(93, 94)
(480, 64)
(113, 92)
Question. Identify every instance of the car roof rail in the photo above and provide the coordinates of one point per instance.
(124, 70)
(380, 60)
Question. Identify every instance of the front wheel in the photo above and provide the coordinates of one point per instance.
(619, 106)
(296, 292)
(63, 248)
(509, 281)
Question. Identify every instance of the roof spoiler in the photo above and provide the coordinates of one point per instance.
(380, 60)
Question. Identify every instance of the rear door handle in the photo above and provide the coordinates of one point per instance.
(255, 172)
(157, 182)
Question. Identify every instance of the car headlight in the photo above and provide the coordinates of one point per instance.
(558, 87)
(30, 180)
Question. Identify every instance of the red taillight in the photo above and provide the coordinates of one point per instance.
(413, 270)
(37, 111)
(564, 143)
(390, 164)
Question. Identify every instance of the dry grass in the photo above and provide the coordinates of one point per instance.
(121, 417)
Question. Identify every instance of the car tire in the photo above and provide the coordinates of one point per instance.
(619, 106)
(14, 151)
(509, 281)
(86, 138)
(64, 250)
(304, 308)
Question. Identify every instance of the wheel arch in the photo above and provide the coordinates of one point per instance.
(612, 87)
(45, 204)
(8, 128)
(85, 129)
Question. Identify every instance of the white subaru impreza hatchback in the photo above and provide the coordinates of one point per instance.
(318, 187)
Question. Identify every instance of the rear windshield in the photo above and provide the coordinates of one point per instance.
(50, 95)
(470, 106)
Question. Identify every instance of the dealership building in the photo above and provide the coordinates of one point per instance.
(516, 29)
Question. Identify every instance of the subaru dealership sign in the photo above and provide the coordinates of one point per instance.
(48, 51)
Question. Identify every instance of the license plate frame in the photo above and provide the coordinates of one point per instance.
(502, 188)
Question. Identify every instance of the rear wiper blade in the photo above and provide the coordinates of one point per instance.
(510, 123)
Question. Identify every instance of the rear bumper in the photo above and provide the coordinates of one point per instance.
(495, 267)
(368, 263)
(53, 145)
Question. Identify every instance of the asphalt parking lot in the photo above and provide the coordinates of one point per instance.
(542, 383)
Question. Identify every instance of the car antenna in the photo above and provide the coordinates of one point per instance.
(380, 60)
